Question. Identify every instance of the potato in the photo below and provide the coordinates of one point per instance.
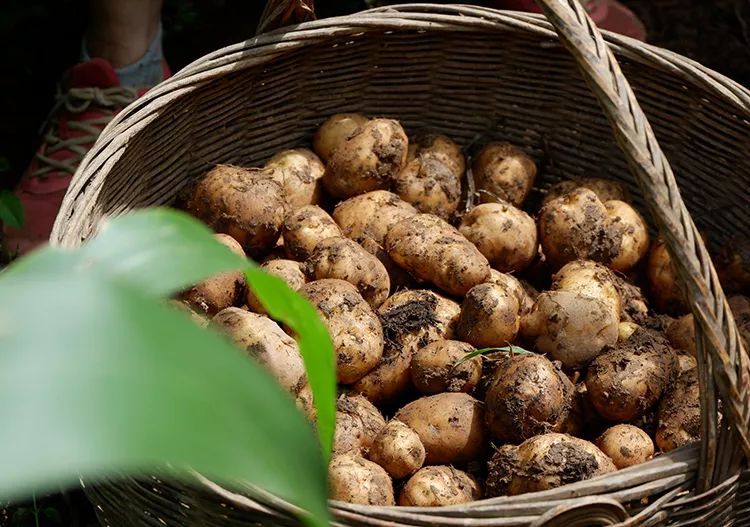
(633, 233)
(624, 382)
(570, 327)
(490, 316)
(371, 215)
(633, 305)
(345, 259)
(685, 362)
(288, 270)
(528, 396)
(335, 131)
(353, 479)
(246, 204)
(368, 160)
(305, 228)
(625, 330)
(524, 292)
(589, 279)
(431, 249)
(503, 171)
(434, 368)
(398, 277)
(545, 462)
(626, 445)
(431, 178)
(410, 319)
(398, 449)
(505, 235)
(355, 330)
(358, 423)
(450, 425)
(733, 266)
(681, 334)
(577, 226)
(605, 189)
(439, 486)
(298, 171)
(663, 283)
(264, 340)
(219, 291)
(680, 413)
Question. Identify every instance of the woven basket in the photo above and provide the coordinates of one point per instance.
(476, 75)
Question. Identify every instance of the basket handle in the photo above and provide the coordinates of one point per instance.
(721, 357)
(280, 13)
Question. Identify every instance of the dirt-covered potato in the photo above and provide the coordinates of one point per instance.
(589, 279)
(220, 291)
(245, 203)
(355, 330)
(577, 226)
(431, 178)
(680, 413)
(662, 280)
(545, 462)
(450, 425)
(686, 362)
(368, 160)
(505, 235)
(298, 171)
(528, 396)
(524, 292)
(625, 381)
(503, 171)
(570, 327)
(288, 270)
(335, 131)
(305, 228)
(345, 259)
(626, 445)
(358, 423)
(371, 215)
(263, 339)
(605, 189)
(398, 449)
(439, 486)
(681, 334)
(431, 249)
(633, 305)
(490, 316)
(434, 368)
(410, 319)
(354, 479)
(633, 233)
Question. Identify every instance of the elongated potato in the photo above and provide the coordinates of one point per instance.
(490, 316)
(633, 233)
(354, 479)
(345, 259)
(435, 368)
(503, 171)
(605, 189)
(355, 330)
(398, 449)
(626, 445)
(438, 487)
(288, 270)
(450, 425)
(662, 280)
(371, 215)
(680, 413)
(368, 160)
(358, 423)
(298, 171)
(431, 249)
(335, 131)
(589, 279)
(305, 228)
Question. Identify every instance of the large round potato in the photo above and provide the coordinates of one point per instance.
(626, 445)
(438, 487)
(589, 279)
(503, 171)
(398, 449)
(358, 423)
(371, 215)
(490, 316)
(298, 171)
(305, 228)
(335, 131)
(354, 479)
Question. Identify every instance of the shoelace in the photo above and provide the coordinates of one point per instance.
(76, 101)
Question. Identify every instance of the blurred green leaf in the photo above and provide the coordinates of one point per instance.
(11, 209)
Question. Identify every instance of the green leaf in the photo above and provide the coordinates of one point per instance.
(11, 209)
(510, 348)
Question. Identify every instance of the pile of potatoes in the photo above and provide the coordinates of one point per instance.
(411, 275)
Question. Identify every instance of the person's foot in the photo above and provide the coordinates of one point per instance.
(90, 96)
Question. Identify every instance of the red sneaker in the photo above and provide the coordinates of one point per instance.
(92, 98)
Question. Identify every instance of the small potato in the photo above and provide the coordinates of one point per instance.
(371, 215)
(335, 131)
(247, 204)
(663, 283)
(450, 425)
(633, 233)
(345, 259)
(355, 330)
(298, 171)
(503, 171)
(358, 423)
(305, 228)
(680, 413)
(626, 445)
(505, 235)
(438, 487)
(605, 189)
(589, 279)
(398, 449)
(220, 291)
(435, 369)
(368, 160)
(577, 226)
(490, 316)
(528, 396)
(525, 294)
(263, 339)
(353, 479)
(570, 327)
(288, 270)
(681, 334)
(624, 382)
(410, 319)
(431, 249)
